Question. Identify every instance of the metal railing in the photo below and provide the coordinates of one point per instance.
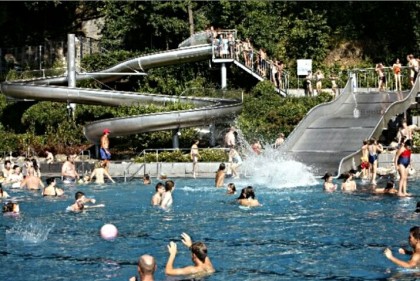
(368, 79)
(157, 160)
(352, 160)
(227, 46)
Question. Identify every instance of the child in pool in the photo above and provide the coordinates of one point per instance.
(80, 202)
(414, 241)
(11, 208)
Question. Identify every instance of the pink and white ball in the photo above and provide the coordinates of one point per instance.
(109, 231)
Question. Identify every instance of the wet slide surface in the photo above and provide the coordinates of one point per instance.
(339, 131)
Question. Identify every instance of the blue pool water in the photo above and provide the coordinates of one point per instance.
(300, 233)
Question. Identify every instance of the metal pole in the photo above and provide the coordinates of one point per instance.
(71, 66)
(40, 57)
(212, 128)
(223, 71)
(175, 138)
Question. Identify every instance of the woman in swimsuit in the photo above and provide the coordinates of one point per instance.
(51, 189)
(329, 186)
(374, 148)
(396, 67)
(402, 161)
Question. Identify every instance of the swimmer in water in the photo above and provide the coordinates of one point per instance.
(220, 175)
(389, 189)
(157, 197)
(11, 208)
(414, 241)
(167, 195)
(247, 197)
(202, 264)
(80, 202)
(51, 189)
(231, 189)
(329, 186)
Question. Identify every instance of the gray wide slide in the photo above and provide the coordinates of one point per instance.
(208, 110)
(329, 138)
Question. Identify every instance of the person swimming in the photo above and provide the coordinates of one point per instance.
(329, 186)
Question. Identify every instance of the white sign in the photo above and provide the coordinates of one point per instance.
(303, 66)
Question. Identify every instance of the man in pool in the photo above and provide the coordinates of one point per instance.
(202, 264)
(80, 202)
(104, 150)
(414, 241)
(68, 170)
(146, 268)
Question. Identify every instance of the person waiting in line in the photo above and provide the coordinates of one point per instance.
(51, 189)
(396, 68)
(414, 241)
(388, 189)
(318, 81)
(157, 197)
(230, 139)
(402, 161)
(329, 186)
(167, 199)
(231, 189)
(308, 84)
(334, 86)
(379, 68)
(202, 264)
(404, 131)
(146, 268)
(247, 197)
(413, 65)
(99, 172)
(220, 175)
(374, 148)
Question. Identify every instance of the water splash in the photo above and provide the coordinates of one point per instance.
(34, 232)
(273, 168)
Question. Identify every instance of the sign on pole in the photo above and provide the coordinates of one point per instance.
(303, 66)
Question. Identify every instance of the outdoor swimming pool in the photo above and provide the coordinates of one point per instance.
(300, 233)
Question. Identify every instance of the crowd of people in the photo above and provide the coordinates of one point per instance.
(228, 46)
(412, 67)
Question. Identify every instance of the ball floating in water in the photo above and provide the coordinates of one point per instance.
(109, 231)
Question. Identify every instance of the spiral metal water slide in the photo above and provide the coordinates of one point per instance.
(207, 110)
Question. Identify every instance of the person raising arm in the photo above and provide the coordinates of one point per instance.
(202, 264)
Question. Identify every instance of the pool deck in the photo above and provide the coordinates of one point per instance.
(130, 169)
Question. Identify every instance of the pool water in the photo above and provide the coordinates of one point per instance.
(300, 233)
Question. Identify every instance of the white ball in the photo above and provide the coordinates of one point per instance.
(109, 231)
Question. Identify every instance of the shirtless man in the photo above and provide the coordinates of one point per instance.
(31, 181)
(105, 154)
(202, 264)
(146, 268)
(51, 189)
(194, 156)
(230, 137)
(50, 157)
(7, 170)
(68, 170)
(279, 141)
(413, 64)
(99, 173)
(414, 241)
